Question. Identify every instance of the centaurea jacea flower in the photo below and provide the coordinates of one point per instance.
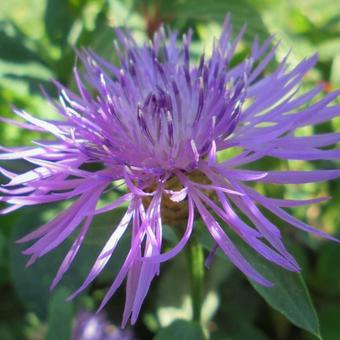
(156, 122)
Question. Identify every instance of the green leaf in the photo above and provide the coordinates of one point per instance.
(3, 259)
(329, 319)
(22, 67)
(290, 296)
(57, 12)
(169, 304)
(125, 13)
(60, 316)
(335, 71)
(27, 15)
(242, 12)
(324, 280)
(248, 331)
(32, 284)
(181, 329)
(14, 45)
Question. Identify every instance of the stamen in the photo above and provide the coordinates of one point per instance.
(186, 51)
(200, 101)
(200, 66)
(73, 103)
(212, 154)
(160, 70)
(142, 124)
(194, 150)
(170, 127)
(187, 78)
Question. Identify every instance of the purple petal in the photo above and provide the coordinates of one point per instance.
(227, 246)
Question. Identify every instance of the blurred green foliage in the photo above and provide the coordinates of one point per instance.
(38, 40)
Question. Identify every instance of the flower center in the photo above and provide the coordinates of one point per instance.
(176, 213)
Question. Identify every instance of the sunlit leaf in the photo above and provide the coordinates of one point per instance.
(242, 12)
(289, 295)
(60, 316)
(181, 329)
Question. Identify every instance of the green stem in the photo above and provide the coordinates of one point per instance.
(196, 268)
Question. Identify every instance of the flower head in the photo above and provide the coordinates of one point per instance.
(156, 123)
(91, 326)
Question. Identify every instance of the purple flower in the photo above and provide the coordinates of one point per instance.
(89, 326)
(156, 123)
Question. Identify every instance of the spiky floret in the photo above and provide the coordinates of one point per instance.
(160, 118)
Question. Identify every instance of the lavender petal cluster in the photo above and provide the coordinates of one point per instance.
(159, 117)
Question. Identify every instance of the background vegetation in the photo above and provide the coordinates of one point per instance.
(37, 39)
